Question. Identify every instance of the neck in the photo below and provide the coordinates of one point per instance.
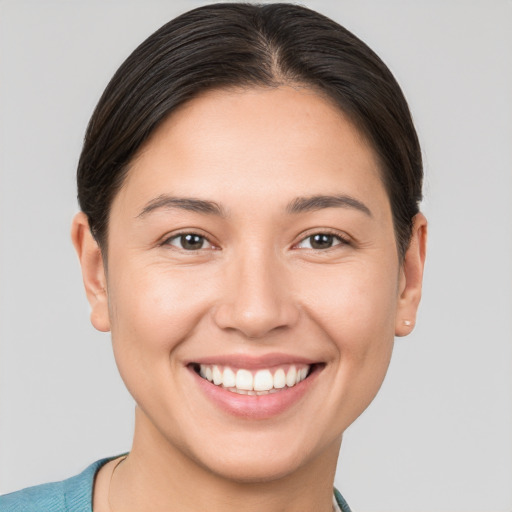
(160, 476)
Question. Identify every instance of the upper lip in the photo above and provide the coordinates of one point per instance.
(252, 362)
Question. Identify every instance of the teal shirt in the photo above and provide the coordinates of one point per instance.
(73, 495)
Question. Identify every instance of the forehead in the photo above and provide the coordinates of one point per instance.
(263, 144)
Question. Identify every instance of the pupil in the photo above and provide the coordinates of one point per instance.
(321, 241)
(191, 241)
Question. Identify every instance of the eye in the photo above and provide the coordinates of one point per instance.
(188, 241)
(320, 241)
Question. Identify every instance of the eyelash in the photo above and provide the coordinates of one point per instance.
(343, 240)
(177, 236)
(335, 235)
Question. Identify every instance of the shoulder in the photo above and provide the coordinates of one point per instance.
(40, 497)
(71, 494)
(339, 502)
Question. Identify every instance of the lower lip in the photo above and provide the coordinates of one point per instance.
(255, 407)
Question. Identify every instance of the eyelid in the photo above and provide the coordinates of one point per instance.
(342, 237)
(174, 235)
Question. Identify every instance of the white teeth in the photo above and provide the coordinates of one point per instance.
(217, 375)
(263, 380)
(261, 383)
(244, 380)
(291, 376)
(279, 379)
(228, 378)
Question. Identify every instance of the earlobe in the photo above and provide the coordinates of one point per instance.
(93, 271)
(411, 278)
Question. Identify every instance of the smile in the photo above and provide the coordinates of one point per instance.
(259, 382)
(255, 388)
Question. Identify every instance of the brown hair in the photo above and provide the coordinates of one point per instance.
(236, 44)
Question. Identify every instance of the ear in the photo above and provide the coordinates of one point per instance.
(93, 271)
(411, 278)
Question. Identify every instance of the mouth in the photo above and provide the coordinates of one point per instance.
(255, 382)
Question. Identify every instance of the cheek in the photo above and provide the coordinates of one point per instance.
(153, 310)
(355, 297)
(355, 306)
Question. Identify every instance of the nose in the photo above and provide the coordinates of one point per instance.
(257, 298)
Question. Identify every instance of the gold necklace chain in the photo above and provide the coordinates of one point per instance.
(110, 483)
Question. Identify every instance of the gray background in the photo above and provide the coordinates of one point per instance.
(438, 438)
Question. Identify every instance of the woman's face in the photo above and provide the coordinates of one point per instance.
(252, 244)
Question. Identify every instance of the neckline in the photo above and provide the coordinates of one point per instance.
(78, 490)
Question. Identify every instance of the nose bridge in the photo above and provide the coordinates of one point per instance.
(258, 299)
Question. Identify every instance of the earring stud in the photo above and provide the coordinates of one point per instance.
(407, 322)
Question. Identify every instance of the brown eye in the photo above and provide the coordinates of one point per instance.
(320, 241)
(188, 241)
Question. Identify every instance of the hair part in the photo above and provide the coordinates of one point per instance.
(229, 45)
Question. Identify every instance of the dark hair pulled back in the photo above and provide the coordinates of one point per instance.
(233, 44)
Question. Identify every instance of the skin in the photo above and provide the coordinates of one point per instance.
(255, 287)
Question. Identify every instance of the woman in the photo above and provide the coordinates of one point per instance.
(250, 234)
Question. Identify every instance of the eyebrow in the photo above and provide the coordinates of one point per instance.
(298, 205)
(319, 202)
(192, 204)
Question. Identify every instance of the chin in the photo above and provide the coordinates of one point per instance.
(255, 469)
(260, 457)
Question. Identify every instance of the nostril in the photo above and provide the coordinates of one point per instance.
(257, 309)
